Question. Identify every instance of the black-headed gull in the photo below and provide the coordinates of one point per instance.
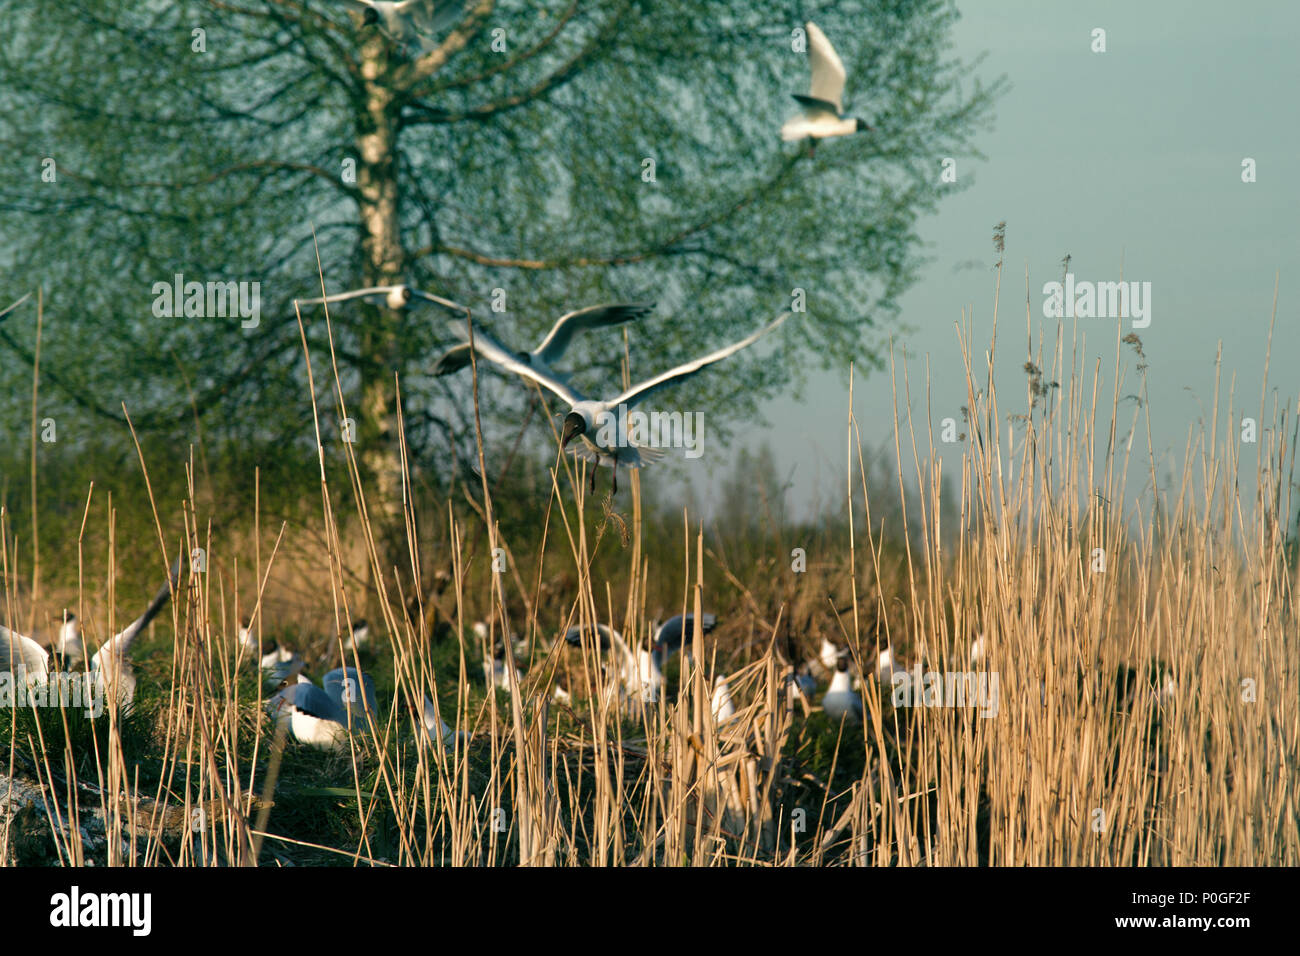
(676, 632)
(394, 296)
(637, 673)
(325, 716)
(111, 666)
(552, 348)
(589, 419)
(410, 22)
(823, 107)
(841, 702)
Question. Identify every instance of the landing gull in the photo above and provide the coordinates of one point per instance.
(587, 418)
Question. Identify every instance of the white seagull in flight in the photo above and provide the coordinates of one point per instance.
(589, 419)
(552, 347)
(396, 297)
(823, 107)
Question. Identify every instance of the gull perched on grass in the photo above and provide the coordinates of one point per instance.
(589, 419)
(111, 666)
(841, 702)
(823, 106)
(636, 673)
(553, 347)
(409, 22)
(396, 297)
(325, 716)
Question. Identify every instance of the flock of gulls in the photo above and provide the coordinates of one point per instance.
(345, 704)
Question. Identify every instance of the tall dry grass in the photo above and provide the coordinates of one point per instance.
(1091, 597)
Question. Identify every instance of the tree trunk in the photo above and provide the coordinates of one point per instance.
(384, 263)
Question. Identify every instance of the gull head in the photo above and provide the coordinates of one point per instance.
(574, 425)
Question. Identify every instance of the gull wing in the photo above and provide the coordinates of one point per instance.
(452, 360)
(638, 392)
(22, 657)
(341, 686)
(439, 300)
(344, 296)
(118, 646)
(315, 702)
(495, 352)
(597, 316)
(827, 70)
(814, 106)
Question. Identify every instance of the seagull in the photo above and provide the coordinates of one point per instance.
(804, 685)
(280, 663)
(496, 675)
(396, 297)
(359, 636)
(823, 665)
(409, 22)
(68, 645)
(325, 716)
(840, 702)
(639, 677)
(552, 348)
(589, 419)
(434, 729)
(671, 635)
(823, 107)
(520, 644)
(887, 667)
(111, 665)
(25, 661)
(247, 639)
(724, 708)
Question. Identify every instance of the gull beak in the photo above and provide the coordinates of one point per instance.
(574, 425)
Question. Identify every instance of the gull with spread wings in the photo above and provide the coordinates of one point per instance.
(590, 419)
(823, 107)
(394, 296)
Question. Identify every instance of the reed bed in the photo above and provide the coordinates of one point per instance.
(1144, 642)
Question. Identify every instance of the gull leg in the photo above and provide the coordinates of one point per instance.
(614, 490)
(591, 479)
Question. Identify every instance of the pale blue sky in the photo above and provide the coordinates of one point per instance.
(1129, 157)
